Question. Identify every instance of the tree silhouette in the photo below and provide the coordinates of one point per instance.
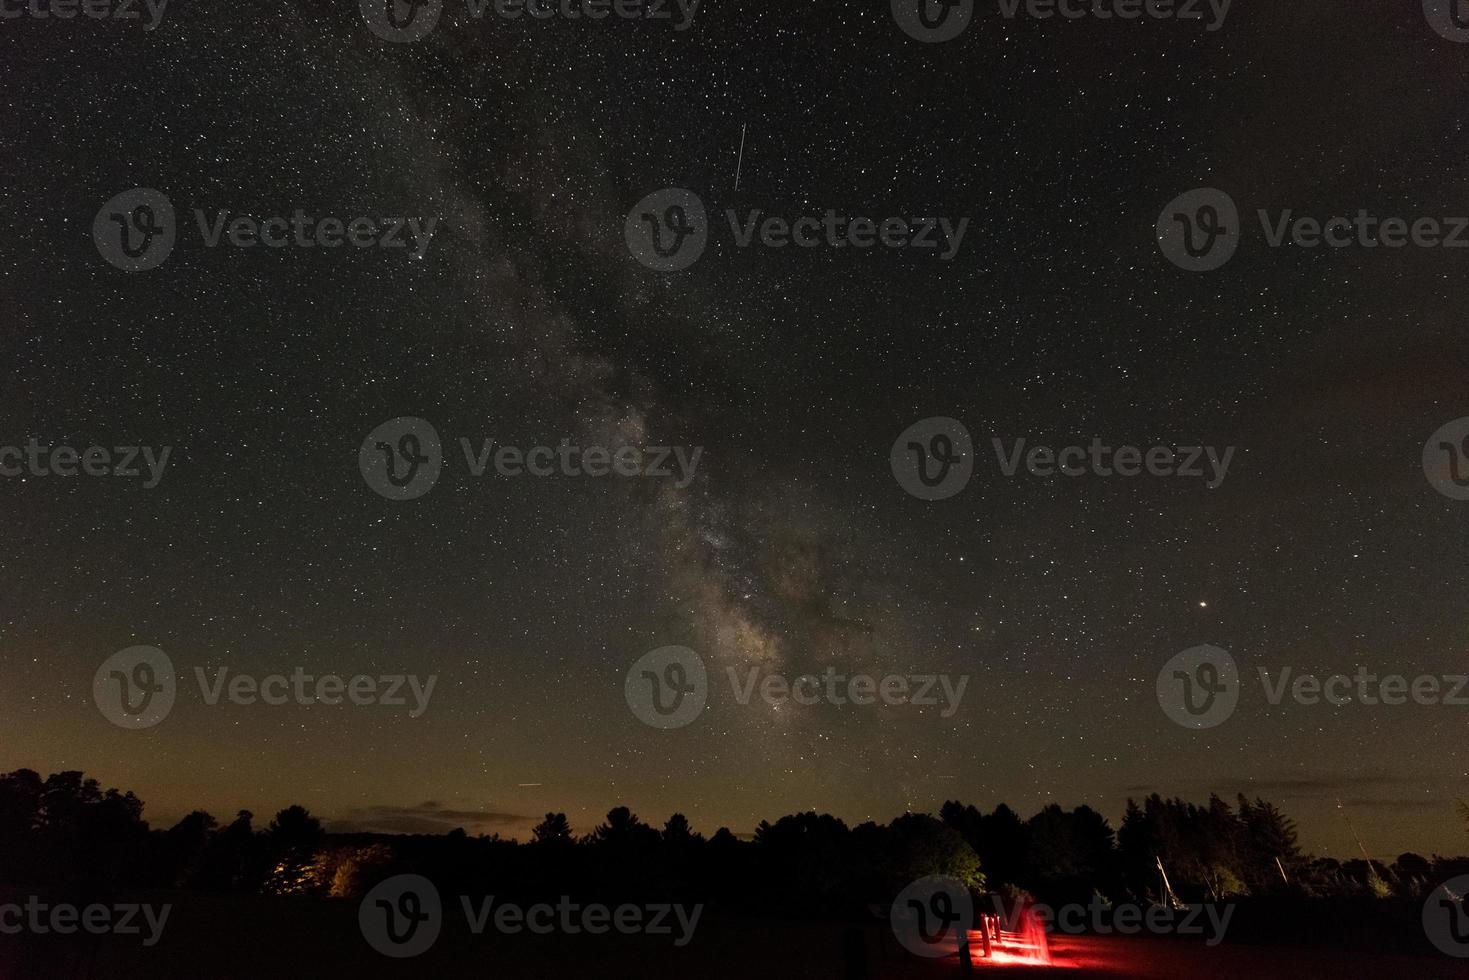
(294, 827)
(623, 829)
(186, 844)
(923, 846)
(293, 836)
(677, 831)
(555, 829)
(66, 834)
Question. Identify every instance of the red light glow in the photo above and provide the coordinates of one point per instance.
(993, 944)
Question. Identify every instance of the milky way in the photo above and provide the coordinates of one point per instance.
(792, 549)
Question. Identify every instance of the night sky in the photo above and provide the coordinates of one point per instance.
(528, 321)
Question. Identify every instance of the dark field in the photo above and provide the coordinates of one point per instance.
(226, 938)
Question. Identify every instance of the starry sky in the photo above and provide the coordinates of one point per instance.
(794, 548)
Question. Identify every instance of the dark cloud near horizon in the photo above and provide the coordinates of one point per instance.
(428, 817)
(1374, 791)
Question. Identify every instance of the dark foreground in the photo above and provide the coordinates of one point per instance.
(227, 938)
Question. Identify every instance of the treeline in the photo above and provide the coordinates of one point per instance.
(1213, 852)
(66, 835)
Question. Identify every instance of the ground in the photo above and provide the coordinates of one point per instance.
(229, 938)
